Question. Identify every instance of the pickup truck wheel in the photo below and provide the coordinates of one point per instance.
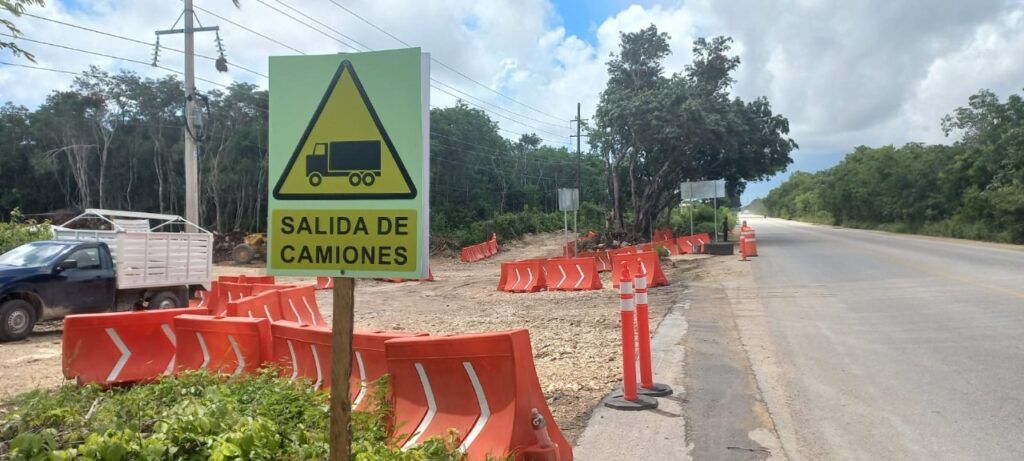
(17, 317)
(163, 300)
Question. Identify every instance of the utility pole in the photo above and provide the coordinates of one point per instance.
(191, 123)
(579, 160)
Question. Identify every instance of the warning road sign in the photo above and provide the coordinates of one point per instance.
(345, 152)
(349, 142)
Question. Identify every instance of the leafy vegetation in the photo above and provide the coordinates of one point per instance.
(18, 231)
(655, 130)
(195, 416)
(973, 188)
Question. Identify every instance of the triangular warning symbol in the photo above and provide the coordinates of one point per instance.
(345, 152)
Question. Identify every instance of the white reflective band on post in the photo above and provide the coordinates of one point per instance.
(641, 297)
(640, 282)
(626, 295)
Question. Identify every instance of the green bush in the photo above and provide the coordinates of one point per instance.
(510, 226)
(196, 416)
(19, 231)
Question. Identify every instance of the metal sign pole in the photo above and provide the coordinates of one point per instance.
(565, 234)
(689, 208)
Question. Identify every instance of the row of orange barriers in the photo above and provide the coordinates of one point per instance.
(474, 253)
(482, 385)
(580, 273)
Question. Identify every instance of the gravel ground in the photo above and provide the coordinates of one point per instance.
(575, 335)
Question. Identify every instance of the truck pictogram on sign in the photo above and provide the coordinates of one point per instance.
(358, 160)
(345, 152)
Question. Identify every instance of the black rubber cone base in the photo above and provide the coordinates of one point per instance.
(657, 390)
(617, 401)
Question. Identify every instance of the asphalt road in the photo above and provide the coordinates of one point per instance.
(877, 346)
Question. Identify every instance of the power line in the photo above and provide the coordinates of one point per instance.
(141, 42)
(293, 18)
(40, 68)
(497, 107)
(488, 88)
(357, 42)
(240, 26)
(320, 31)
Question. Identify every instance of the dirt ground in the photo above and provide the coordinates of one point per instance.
(575, 335)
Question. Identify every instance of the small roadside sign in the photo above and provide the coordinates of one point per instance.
(348, 168)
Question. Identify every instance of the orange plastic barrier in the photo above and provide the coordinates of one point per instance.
(259, 288)
(120, 347)
(266, 305)
(304, 351)
(604, 260)
(474, 253)
(569, 249)
(324, 283)
(688, 244)
(247, 279)
(229, 291)
(525, 276)
(750, 240)
(662, 235)
(621, 251)
(208, 299)
(227, 345)
(571, 274)
(646, 261)
(484, 386)
(667, 244)
(299, 305)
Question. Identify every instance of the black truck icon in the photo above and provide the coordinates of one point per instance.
(359, 160)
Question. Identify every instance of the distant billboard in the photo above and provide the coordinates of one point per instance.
(701, 190)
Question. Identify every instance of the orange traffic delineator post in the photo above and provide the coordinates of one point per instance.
(629, 399)
(743, 247)
(751, 240)
(643, 327)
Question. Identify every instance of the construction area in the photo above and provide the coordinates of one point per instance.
(575, 334)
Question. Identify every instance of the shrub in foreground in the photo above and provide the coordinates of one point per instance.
(195, 416)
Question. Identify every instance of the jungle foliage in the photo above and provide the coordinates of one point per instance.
(973, 188)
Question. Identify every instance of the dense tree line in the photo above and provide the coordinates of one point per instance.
(115, 140)
(973, 188)
(655, 130)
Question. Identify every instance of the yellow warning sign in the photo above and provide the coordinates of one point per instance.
(361, 240)
(345, 152)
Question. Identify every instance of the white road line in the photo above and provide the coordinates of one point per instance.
(579, 268)
(362, 381)
(169, 333)
(431, 409)
(125, 354)
(485, 410)
(559, 284)
(312, 317)
(319, 371)
(295, 361)
(238, 356)
(206, 352)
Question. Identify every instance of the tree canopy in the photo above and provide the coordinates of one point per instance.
(655, 131)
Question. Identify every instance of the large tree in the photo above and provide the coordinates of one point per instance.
(656, 130)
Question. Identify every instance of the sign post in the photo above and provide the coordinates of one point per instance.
(349, 184)
(691, 191)
(569, 200)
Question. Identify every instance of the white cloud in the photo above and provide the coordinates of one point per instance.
(845, 73)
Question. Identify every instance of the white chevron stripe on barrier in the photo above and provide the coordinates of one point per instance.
(206, 352)
(169, 333)
(519, 277)
(431, 409)
(319, 371)
(530, 281)
(295, 361)
(267, 311)
(559, 284)
(578, 282)
(125, 354)
(362, 380)
(298, 318)
(312, 317)
(238, 356)
(485, 410)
